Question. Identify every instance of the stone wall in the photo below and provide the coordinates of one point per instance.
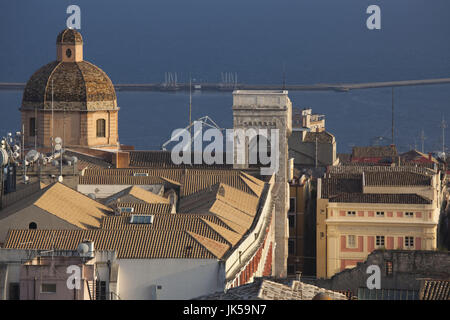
(409, 267)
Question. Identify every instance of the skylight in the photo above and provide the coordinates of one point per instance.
(140, 174)
(141, 219)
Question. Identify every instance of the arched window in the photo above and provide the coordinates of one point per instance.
(259, 150)
(32, 226)
(101, 128)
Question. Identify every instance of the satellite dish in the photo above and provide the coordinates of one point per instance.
(32, 156)
(16, 148)
(16, 155)
(92, 196)
(55, 162)
(3, 157)
(58, 147)
(60, 179)
(58, 140)
(83, 248)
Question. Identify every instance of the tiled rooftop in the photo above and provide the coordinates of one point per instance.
(380, 198)
(435, 290)
(374, 152)
(203, 224)
(234, 202)
(322, 137)
(129, 244)
(66, 204)
(135, 194)
(396, 179)
(145, 208)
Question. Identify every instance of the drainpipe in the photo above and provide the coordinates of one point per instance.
(109, 277)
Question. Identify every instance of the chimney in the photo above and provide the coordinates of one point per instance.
(429, 156)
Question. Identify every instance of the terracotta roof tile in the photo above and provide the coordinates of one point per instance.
(396, 179)
(72, 206)
(322, 137)
(238, 199)
(229, 235)
(216, 248)
(162, 159)
(380, 198)
(129, 244)
(77, 86)
(435, 290)
(257, 186)
(196, 180)
(228, 214)
(374, 151)
(145, 208)
(197, 223)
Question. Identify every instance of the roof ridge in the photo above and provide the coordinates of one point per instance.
(58, 63)
(256, 189)
(83, 84)
(229, 235)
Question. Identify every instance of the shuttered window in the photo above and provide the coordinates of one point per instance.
(101, 128)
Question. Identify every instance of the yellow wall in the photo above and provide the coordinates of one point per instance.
(334, 223)
(299, 192)
(76, 128)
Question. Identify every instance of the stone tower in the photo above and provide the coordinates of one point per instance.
(261, 109)
(70, 98)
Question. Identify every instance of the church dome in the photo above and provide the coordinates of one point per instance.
(77, 84)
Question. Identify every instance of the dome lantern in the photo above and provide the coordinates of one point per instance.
(69, 46)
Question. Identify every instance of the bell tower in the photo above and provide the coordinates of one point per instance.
(266, 109)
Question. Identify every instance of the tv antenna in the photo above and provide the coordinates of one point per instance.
(393, 140)
(190, 103)
(443, 127)
(422, 139)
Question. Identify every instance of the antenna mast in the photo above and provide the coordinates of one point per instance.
(190, 103)
(443, 126)
(35, 128)
(53, 131)
(422, 138)
(393, 141)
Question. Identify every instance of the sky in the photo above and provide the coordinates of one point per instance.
(317, 41)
